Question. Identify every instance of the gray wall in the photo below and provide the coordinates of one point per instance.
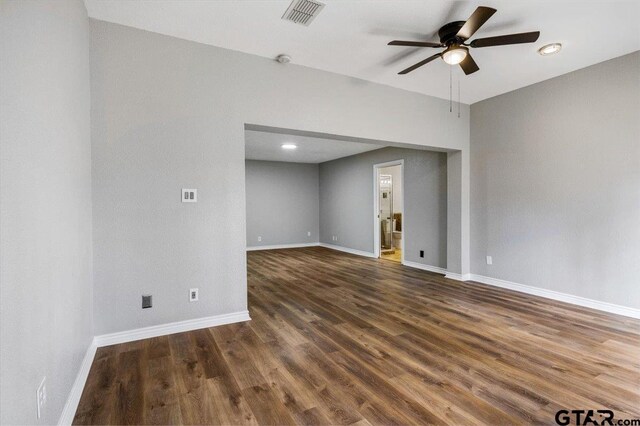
(282, 203)
(556, 183)
(169, 113)
(346, 202)
(45, 204)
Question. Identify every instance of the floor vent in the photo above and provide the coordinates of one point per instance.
(303, 12)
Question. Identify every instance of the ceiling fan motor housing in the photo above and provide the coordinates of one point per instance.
(448, 33)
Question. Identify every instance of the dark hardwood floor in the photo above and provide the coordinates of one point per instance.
(341, 339)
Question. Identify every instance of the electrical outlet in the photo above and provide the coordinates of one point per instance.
(193, 295)
(146, 301)
(489, 260)
(259, 238)
(308, 233)
(421, 253)
(41, 396)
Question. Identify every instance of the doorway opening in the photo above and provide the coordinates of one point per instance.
(389, 210)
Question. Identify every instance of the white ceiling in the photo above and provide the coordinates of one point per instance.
(349, 36)
(268, 147)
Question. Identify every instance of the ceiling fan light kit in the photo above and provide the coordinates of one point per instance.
(455, 54)
(454, 37)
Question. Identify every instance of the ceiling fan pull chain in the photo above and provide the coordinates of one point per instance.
(450, 90)
(458, 96)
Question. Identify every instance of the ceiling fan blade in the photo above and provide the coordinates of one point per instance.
(414, 43)
(421, 63)
(475, 21)
(506, 39)
(468, 65)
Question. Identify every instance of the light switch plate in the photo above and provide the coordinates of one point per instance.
(189, 195)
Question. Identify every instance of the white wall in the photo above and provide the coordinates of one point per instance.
(282, 203)
(346, 202)
(169, 113)
(46, 320)
(556, 183)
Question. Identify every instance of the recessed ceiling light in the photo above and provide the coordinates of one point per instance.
(289, 146)
(550, 49)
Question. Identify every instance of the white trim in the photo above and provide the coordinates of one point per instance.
(348, 250)
(70, 407)
(376, 206)
(436, 269)
(170, 328)
(562, 297)
(391, 163)
(458, 277)
(283, 246)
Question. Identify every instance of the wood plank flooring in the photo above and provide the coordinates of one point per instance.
(396, 256)
(342, 339)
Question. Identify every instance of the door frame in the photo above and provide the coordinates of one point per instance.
(376, 206)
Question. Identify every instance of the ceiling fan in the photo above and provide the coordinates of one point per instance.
(454, 36)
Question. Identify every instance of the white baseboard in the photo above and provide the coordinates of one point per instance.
(562, 297)
(70, 407)
(436, 269)
(458, 277)
(282, 246)
(69, 411)
(170, 328)
(348, 250)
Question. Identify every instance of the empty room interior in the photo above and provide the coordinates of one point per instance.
(319, 212)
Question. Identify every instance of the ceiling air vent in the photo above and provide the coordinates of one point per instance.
(303, 11)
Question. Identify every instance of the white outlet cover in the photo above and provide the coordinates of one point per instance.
(489, 260)
(308, 233)
(259, 238)
(189, 195)
(193, 295)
